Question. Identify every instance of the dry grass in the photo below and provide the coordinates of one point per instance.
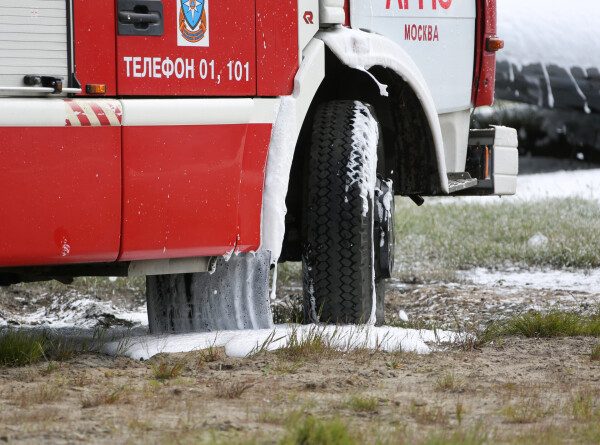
(527, 409)
(449, 382)
(44, 393)
(117, 395)
(360, 403)
(163, 370)
(428, 415)
(232, 390)
(584, 405)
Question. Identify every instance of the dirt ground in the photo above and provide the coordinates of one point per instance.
(514, 390)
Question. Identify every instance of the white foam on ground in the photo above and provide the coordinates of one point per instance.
(242, 343)
(78, 311)
(578, 281)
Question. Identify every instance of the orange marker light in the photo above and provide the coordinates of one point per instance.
(95, 88)
(494, 44)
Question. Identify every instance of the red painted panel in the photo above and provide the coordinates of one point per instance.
(180, 190)
(276, 46)
(61, 195)
(251, 187)
(95, 41)
(227, 66)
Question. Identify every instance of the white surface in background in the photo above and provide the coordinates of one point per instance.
(562, 184)
(76, 310)
(242, 343)
(577, 281)
(542, 31)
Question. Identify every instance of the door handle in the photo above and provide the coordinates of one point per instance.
(140, 18)
(136, 17)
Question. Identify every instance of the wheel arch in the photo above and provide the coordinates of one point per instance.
(411, 128)
(410, 125)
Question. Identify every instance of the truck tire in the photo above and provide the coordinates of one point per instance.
(234, 296)
(339, 262)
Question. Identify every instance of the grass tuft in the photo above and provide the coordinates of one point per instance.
(556, 323)
(104, 398)
(311, 430)
(20, 348)
(596, 353)
(363, 404)
(449, 382)
(232, 390)
(163, 370)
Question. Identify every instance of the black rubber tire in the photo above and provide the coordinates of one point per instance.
(338, 258)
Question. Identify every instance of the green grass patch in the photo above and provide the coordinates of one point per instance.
(441, 239)
(314, 431)
(20, 348)
(363, 404)
(554, 323)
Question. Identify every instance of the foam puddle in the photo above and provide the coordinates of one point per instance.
(245, 342)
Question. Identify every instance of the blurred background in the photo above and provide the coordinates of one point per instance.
(548, 78)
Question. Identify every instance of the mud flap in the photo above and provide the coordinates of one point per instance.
(235, 296)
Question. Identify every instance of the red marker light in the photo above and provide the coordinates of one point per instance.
(494, 44)
(95, 89)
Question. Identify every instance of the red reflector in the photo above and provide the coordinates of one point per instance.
(95, 89)
(494, 44)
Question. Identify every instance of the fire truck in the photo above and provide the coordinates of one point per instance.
(199, 143)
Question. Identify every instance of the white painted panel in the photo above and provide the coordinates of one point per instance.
(33, 40)
(445, 58)
(32, 113)
(166, 112)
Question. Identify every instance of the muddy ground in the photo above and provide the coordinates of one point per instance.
(513, 390)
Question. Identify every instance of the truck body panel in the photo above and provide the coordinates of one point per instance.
(167, 129)
(439, 40)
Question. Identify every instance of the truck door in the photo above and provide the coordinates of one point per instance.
(60, 157)
(185, 138)
(186, 48)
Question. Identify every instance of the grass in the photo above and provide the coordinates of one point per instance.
(44, 393)
(583, 406)
(428, 415)
(363, 404)
(21, 348)
(232, 390)
(104, 398)
(314, 431)
(555, 323)
(163, 370)
(448, 382)
(525, 410)
(442, 239)
(595, 353)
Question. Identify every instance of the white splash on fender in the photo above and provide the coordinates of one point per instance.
(279, 165)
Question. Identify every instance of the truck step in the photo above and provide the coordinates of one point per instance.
(460, 181)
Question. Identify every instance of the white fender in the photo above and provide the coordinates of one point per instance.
(356, 49)
(290, 118)
(361, 50)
